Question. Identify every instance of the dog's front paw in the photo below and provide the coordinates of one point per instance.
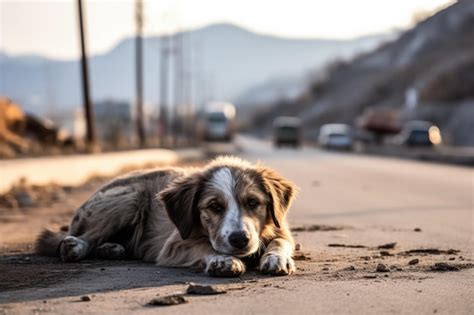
(73, 249)
(224, 266)
(277, 265)
(110, 251)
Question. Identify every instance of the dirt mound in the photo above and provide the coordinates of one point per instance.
(25, 134)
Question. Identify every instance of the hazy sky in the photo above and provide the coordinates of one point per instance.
(49, 27)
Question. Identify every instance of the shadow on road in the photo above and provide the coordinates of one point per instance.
(29, 277)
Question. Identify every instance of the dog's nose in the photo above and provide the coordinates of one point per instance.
(239, 239)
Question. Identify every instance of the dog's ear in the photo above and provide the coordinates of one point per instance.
(280, 191)
(180, 200)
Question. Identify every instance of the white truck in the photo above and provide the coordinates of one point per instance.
(217, 122)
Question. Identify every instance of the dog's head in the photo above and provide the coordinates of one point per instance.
(232, 202)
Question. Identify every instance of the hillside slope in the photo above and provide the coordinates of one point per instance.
(435, 59)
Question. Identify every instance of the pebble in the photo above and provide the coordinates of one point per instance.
(298, 246)
(382, 268)
(442, 266)
(168, 300)
(387, 246)
(301, 256)
(85, 298)
(414, 261)
(205, 289)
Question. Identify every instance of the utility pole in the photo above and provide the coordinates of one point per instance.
(164, 77)
(199, 75)
(189, 71)
(178, 86)
(139, 71)
(88, 107)
(189, 125)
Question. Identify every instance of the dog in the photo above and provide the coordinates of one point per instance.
(222, 218)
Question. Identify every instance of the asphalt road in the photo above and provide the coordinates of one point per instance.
(366, 201)
(356, 189)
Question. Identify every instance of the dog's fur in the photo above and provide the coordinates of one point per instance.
(185, 218)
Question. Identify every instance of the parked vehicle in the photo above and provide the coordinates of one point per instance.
(217, 122)
(419, 133)
(287, 131)
(336, 136)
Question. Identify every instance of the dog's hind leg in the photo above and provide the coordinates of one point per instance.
(110, 221)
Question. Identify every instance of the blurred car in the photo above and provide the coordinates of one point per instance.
(287, 131)
(419, 133)
(336, 136)
(218, 122)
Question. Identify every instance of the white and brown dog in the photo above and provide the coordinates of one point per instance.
(222, 218)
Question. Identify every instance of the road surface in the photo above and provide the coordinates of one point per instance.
(344, 199)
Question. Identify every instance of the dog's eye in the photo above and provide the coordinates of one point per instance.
(217, 207)
(252, 203)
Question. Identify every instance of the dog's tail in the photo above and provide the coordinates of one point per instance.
(47, 243)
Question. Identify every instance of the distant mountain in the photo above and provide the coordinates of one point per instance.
(435, 60)
(227, 61)
(273, 89)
